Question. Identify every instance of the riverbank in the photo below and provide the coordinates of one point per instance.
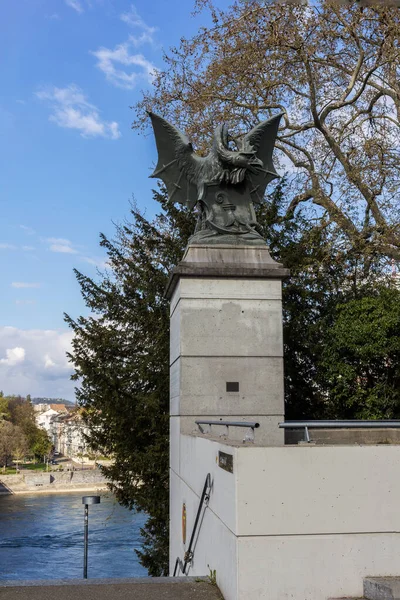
(53, 482)
(70, 490)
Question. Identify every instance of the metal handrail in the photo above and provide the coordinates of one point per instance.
(249, 437)
(251, 424)
(339, 424)
(188, 556)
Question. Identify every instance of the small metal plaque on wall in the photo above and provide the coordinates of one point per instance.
(225, 461)
(232, 386)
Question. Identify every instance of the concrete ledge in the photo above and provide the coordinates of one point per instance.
(221, 271)
(343, 437)
(105, 581)
(222, 261)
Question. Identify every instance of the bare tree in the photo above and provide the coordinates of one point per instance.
(333, 70)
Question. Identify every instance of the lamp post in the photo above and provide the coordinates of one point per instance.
(86, 500)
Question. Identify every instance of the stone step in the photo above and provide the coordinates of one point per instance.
(139, 588)
(382, 588)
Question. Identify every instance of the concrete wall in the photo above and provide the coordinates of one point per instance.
(216, 546)
(301, 522)
(61, 478)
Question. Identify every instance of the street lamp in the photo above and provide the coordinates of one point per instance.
(86, 500)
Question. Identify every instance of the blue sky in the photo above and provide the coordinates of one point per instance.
(70, 70)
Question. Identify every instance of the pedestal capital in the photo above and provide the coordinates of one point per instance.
(226, 261)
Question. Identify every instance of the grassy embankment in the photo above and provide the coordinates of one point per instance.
(30, 467)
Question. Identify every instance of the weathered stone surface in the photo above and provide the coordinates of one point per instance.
(52, 481)
(226, 327)
(227, 254)
(37, 479)
(267, 434)
(382, 588)
(198, 385)
(235, 288)
(225, 262)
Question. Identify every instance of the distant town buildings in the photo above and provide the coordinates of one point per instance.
(43, 419)
(45, 406)
(64, 427)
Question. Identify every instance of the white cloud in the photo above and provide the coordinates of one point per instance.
(14, 356)
(53, 240)
(28, 248)
(133, 19)
(75, 4)
(97, 262)
(137, 67)
(140, 67)
(48, 362)
(61, 245)
(35, 362)
(72, 110)
(23, 284)
(63, 249)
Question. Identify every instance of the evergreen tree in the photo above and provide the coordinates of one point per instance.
(121, 357)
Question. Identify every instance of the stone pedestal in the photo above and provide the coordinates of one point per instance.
(226, 354)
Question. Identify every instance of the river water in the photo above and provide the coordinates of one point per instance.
(41, 537)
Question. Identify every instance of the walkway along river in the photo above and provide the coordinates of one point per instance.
(41, 537)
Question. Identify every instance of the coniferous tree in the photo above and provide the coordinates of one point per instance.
(121, 357)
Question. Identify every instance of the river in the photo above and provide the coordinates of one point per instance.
(41, 537)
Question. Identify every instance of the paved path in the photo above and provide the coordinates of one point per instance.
(157, 588)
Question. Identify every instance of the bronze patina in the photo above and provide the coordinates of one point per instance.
(224, 185)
